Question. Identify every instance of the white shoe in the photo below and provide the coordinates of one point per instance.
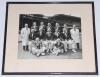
(74, 51)
(43, 54)
(37, 55)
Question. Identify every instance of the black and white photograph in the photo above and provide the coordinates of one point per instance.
(49, 38)
(57, 36)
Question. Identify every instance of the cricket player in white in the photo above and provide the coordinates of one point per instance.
(25, 36)
(76, 37)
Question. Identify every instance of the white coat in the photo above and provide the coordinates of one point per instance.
(75, 35)
(25, 36)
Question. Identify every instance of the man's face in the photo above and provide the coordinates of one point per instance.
(57, 24)
(49, 24)
(37, 39)
(32, 31)
(65, 26)
(74, 26)
(26, 25)
(34, 23)
(42, 23)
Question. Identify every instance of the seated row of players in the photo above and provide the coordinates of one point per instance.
(48, 32)
(40, 45)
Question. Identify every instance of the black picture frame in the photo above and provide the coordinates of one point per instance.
(50, 73)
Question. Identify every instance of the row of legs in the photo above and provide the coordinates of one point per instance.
(26, 48)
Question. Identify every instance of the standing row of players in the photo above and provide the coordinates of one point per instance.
(49, 33)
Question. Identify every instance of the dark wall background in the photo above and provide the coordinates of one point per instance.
(60, 18)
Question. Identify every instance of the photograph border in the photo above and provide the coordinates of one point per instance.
(50, 73)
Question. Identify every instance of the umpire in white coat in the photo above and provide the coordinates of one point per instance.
(25, 37)
(75, 36)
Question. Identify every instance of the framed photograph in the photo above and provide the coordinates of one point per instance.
(50, 38)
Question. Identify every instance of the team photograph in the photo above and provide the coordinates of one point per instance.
(49, 37)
